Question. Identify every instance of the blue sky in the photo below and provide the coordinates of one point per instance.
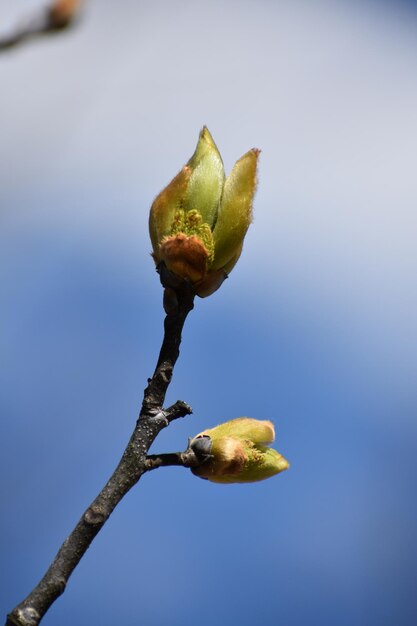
(315, 329)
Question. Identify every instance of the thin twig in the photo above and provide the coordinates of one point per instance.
(183, 459)
(58, 16)
(134, 462)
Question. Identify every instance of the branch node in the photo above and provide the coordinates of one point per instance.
(28, 616)
(60, 585)
(94, 516)
(161, 418)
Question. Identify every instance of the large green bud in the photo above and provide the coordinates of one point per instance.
(198, 222)
(237, 452)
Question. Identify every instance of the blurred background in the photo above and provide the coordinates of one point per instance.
(315, 329)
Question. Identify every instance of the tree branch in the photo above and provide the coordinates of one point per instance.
(134, 462)
(58, 16)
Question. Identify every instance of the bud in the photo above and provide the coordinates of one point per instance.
(63, 12)
(197, 224)
(236, 452)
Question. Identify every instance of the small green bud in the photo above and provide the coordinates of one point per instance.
(235, 452)
(197, 224)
